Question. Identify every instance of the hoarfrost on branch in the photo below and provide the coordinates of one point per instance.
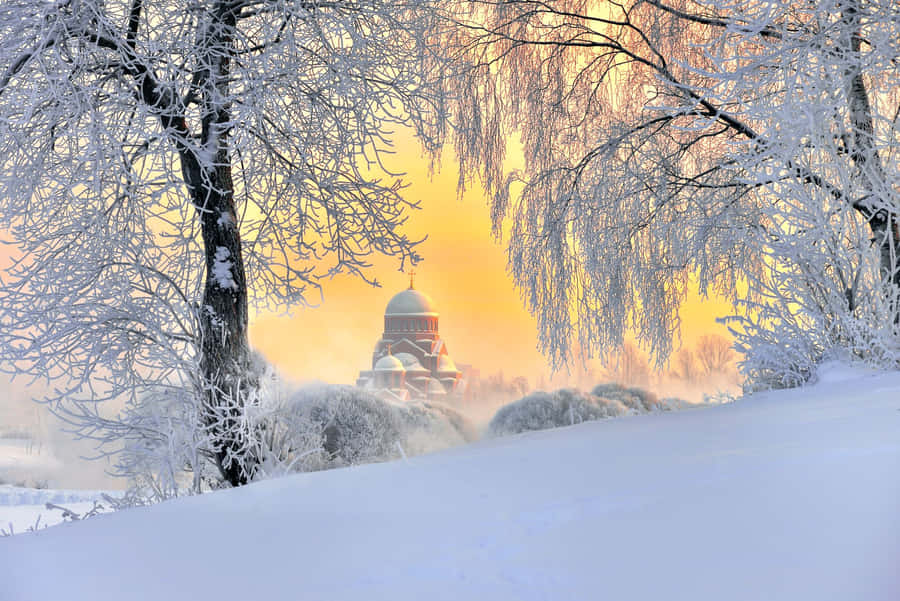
(749, 146)
(158, 157)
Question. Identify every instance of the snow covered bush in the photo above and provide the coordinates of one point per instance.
(567, 407)
(430, 425)
(822, 299)
(168, 450)
(308, 429)
(330, 426)
(543, 410)
(637, 399)
(333, 426)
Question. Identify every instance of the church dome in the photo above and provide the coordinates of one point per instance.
(389, 363)
(435, 387)
(410, 362)
(445, 363)
(410, 302)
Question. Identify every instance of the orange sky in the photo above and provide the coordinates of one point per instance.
(482, 319)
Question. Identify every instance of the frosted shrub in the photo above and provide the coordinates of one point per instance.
(637, 399)
(313, 428)
(165, 455)
(325, 427)
(429, 426)
(543, 410)
(333, 426)
(824, 298)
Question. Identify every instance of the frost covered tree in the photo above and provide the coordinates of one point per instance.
(750, 146)
(714, 354)
(168, 164)
(627, 366)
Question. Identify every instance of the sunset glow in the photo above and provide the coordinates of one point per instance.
(464, 272)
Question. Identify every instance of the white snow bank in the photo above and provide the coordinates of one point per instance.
(832, 372)
(789, 495)
(23, 508)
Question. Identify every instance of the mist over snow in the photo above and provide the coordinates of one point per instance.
(35, 451)
(786, 495)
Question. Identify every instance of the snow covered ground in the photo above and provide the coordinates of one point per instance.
(24, 508)
(791, 495)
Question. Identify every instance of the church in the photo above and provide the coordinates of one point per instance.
(410, 361)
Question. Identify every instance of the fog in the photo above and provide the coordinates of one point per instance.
(37, 451)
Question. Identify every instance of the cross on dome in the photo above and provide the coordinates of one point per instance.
(412, 275)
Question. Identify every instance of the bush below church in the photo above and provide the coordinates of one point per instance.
(544, 410)
(325, 427)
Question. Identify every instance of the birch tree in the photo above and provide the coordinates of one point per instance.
(168, 165)
(750, 146)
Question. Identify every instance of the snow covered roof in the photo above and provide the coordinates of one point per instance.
(389, 363)
(410, 302)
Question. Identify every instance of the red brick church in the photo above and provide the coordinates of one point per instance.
(410, 360)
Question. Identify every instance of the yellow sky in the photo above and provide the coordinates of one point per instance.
(482, 319)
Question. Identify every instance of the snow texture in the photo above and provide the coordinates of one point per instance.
(222, 269)
(788, 495)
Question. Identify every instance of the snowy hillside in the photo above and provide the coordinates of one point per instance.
(792, 496)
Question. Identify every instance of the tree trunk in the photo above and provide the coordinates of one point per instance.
(880, 210)
(225, 361)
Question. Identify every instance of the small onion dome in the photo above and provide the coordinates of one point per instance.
(435, 386)
(389, 363)
(445, 363)
(409, 361)
(410, 302)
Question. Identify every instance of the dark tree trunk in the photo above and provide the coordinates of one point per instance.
(225, 353)
(225, 362)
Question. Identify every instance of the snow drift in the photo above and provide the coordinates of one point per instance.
(785, 496)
